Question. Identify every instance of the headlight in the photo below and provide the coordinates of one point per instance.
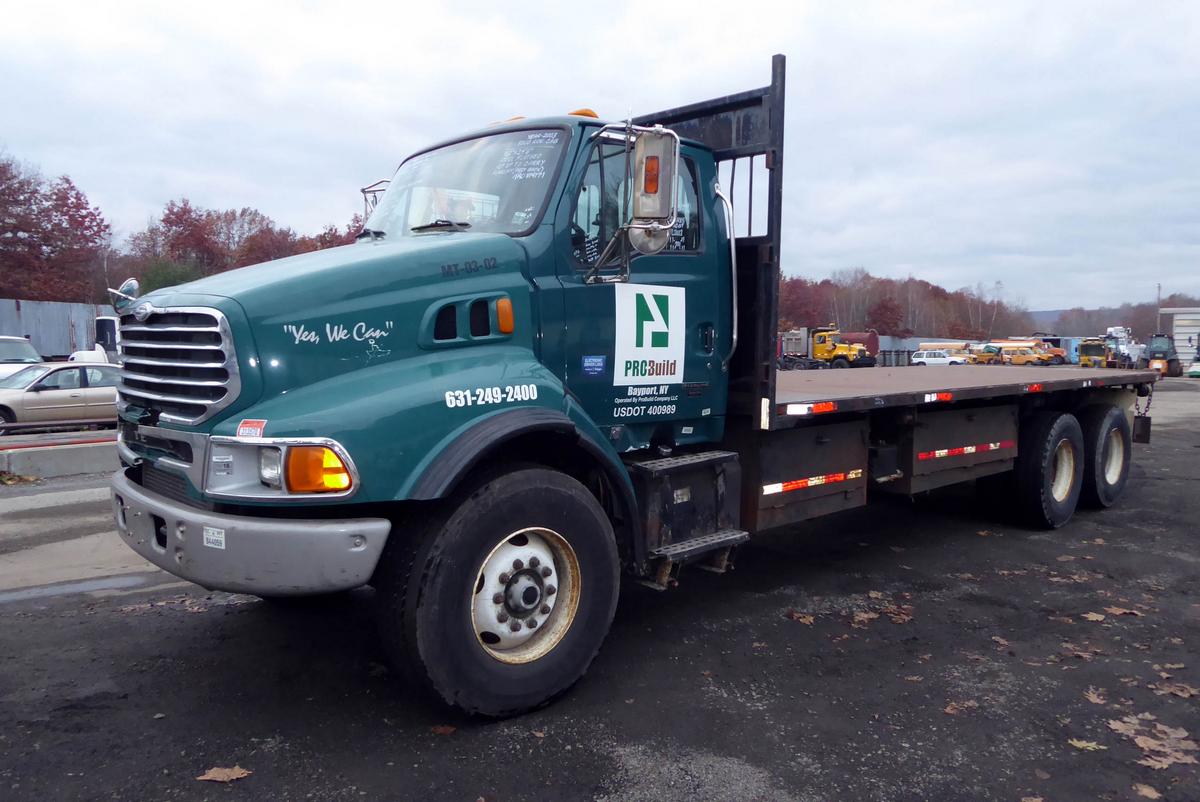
(270, 466)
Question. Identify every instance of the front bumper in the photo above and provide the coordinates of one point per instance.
(241, 554)
(864, 362)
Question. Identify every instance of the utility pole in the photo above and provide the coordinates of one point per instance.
(1158, 311)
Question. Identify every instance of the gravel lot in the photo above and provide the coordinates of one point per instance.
(905, 652)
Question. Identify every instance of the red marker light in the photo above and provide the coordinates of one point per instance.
(1034, 388)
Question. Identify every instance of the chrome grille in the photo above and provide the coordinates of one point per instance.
(178, 362)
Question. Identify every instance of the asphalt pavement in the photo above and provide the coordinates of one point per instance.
(915, 651)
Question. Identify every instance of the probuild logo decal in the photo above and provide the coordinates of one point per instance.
(650, 331)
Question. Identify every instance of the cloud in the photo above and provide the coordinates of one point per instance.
(1050, 146)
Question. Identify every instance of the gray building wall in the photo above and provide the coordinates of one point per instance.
(1186, 328)
(54, 328)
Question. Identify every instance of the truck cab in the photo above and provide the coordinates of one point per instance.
(828, 346)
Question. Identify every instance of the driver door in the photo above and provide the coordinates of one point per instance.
(645, 356)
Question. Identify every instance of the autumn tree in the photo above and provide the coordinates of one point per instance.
(886, 316)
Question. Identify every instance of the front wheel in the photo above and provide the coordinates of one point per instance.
(500, 603)
(839, 363)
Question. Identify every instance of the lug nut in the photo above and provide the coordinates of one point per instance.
(515, 626)
(505, 577)
(518, 565)
(497, 598)
(531, 623)
(502, 618)
(546, 572)
(551, 590)
(534, 562)
(545, 609)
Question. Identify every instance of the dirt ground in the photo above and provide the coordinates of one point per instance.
(913, 651)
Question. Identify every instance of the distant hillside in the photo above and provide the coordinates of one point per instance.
(1044, 319)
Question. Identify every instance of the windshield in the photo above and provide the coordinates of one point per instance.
(496, 183)
(1091, 349)
(18, 351)
(24, 377)
(1159, 344)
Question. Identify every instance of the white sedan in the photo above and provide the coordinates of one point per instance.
(936, 358)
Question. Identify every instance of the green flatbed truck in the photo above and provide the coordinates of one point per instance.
(547, 364)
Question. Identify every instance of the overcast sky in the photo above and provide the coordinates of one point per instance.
(1052, 146)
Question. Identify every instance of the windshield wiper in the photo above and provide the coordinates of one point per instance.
(441, 224)
(373, 233)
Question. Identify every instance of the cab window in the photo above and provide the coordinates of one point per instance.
(601, 205)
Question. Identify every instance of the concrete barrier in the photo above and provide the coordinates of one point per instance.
(49, 461)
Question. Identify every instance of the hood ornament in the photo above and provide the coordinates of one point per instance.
(143, 311)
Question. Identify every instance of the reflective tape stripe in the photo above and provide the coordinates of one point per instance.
(812, 481)
(931, 397)
(961, 450)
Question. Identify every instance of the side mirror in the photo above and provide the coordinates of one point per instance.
(655, 164)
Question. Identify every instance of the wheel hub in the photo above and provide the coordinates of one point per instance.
(525, 596)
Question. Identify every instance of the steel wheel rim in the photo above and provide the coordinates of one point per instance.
(1114, 459)
(530, 576)
(1064, 470)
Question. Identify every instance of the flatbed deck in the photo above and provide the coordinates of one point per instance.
(805, 392)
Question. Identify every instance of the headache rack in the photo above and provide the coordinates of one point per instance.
(745, 133)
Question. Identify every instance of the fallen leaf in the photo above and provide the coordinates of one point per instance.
(706, 673)
(803, 618)
(913, 678)
(954, 708)
(1173, 666)
(758, 645)
(900, 614)
(863, 619)
(1122, 611)
(160, 715)
(1146, 791)
(537, 733)
(1093, 616)
(874, 594)
(1000, 642)
(442, 729)
(838, 638)
(1086, 746)
(218, 774)
(1174, 689)
(1041, 775)
(1095, 695)
(983, 533)
(1065, 558)
(1031, 799)
(1099, 541)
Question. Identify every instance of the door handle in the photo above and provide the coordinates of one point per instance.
(76, 395)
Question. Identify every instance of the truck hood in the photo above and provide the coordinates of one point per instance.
(317, 315)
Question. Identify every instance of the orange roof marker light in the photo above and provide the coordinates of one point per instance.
(584, 112)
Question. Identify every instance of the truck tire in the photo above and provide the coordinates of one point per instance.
(1049, 469)
(1174, 368)
(839, 363)
(1107, 447)
(500, 603)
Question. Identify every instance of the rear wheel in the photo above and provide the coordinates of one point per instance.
(919, 364)
(1057, 360)
(1174, 368)
(6, 417)
(502, 601)
(1049, 469)
(1108, 447)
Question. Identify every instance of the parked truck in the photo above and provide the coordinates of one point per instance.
(548, 363)
(825, 343)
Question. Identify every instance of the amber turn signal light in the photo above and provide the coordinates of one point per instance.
(651, 182)
(316, 469)
(504, 315)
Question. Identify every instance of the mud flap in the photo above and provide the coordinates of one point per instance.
(1141, 428)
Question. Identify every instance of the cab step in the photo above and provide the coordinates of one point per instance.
(662, 466)
(690, 548)
(713, 553)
